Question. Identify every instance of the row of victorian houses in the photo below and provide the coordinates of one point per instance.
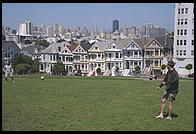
(126, 54)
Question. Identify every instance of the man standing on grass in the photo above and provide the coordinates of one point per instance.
(172, 81)
(8, 71)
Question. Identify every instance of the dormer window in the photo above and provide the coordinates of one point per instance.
(59, 48)
(113, 47)
(95, 48)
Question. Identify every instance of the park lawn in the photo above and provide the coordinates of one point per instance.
(92, 103)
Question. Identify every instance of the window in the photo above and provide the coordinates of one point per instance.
(178, 10)
(178, 31)
(120, 55)
(54, 57)
(110, 55)
(59, 48)
(116, 55)
(60, 58)
(180, 52)
(50, 57)
(128, 53)
(156, 52)
(44, 56)
(42, 67)
(185, 21)
(182, 11)
(99, 55)
(8, 55)
(185, 32)
(176, 52)
(156, 62)
(95, 48)
(192, 31)
(182, 20)
(180, 42)
(184, 52)
(184, 42)
(177, 42)
(181, 32)
(178, 21)
(192, 42)
(63, 58)
(186, 10)
(192, 52)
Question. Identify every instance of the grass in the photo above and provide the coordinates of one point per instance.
(92, 103)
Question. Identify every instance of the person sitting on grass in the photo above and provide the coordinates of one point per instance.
(172, 81)
(8, 71)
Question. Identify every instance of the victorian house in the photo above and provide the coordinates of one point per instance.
(80, 58)
(50, 56)
(97, 57)
(114, 57)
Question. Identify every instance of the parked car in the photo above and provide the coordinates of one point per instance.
(191, 75)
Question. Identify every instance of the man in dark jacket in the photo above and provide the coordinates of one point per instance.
(172, 81)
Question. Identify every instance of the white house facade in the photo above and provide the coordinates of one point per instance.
(184, 37)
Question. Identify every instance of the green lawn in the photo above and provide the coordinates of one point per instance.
(92, 103)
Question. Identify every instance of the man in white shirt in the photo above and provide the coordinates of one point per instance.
(8, 71)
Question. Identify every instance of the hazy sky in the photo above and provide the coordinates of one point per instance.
(88, 14)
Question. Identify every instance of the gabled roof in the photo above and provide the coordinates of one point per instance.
(165, 41)
(72, 47)
(50, 49)
(103, 45)
(9, 45)
(86, 46)
(122, 43)
(32, 49)
(142, 41)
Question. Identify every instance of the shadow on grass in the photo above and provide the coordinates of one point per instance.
(173, 115)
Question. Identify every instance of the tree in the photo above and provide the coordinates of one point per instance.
(79, 72)
(27, 42)
(137, 68)
(59, 69)
(40, 42)
(163, 67)
(117, 69)
(35, 65)
(21, 59)
(189, 67)
(98, 70)
(22, 68)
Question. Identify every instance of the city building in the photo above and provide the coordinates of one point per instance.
(115, 25)
(155, 32)
(184, 37)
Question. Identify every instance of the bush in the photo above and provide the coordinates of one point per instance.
(98, 70)
(117, 69)
(59, 69)
(79, 72)
(189, 67)
(137, 68)
(23, 68)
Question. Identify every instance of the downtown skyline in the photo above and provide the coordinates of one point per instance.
(75, 15)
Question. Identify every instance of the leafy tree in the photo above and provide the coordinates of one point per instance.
(189, 67)
(137, 68)
(117, 69)
(27, 42)
(35, 65)
(59, 69)
(21, 58)
(22, 68)
(98, 70)
(40, 42)
(163, 67)
(79, 72)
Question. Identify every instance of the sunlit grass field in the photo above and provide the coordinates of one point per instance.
(92, 103)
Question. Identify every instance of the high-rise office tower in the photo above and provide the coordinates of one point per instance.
(115, 25)
(102, 35)
(29, 27)
(184, 37)
(55, 28)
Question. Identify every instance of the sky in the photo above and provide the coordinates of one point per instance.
(73, 15)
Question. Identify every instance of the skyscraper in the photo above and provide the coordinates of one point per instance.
(184, 37)
(115, 25)
(29, 27)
